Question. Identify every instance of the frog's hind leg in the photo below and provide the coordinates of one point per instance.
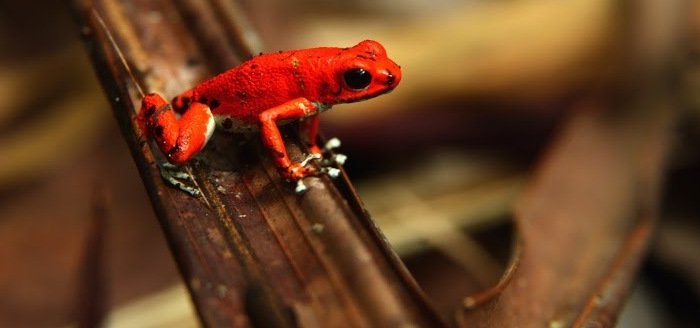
(178, 138)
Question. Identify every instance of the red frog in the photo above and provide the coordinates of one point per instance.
(265, 91)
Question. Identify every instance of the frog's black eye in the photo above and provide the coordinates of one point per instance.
(357, 78)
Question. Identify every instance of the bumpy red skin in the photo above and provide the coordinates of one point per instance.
(264, 91)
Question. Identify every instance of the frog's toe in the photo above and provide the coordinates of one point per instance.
(332, 172)
(339, 158)
(300, 187)
(173, 176)
(335, 159)
(331, 144)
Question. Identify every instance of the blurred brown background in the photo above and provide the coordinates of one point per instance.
(439, 162)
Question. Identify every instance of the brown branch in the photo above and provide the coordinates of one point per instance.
(252, 253)
(587, 217)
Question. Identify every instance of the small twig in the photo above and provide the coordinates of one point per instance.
(118, 51)
(194, 181)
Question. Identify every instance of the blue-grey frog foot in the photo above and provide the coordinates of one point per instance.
(174, 176)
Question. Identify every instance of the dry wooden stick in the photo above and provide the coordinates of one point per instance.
(252, 252)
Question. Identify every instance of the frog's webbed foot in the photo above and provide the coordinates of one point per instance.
(174, 176)
(301, 170)
(327, 163)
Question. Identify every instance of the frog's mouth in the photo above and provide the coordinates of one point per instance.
(367, 96)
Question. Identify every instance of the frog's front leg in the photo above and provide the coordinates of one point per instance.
(272, 138)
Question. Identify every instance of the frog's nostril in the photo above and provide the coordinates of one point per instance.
(390, 78)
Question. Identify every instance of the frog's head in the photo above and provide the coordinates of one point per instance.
(363, 71)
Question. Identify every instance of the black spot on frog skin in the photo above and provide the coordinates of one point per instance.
(325, 87)
(150, 110)
(173, 150)
(214, 104)
(180, 104)
(203, 99)
(158, 131)
(254, 66)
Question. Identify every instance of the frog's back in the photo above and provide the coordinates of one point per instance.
(263, 82)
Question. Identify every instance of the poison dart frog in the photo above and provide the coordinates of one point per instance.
(265, 91)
